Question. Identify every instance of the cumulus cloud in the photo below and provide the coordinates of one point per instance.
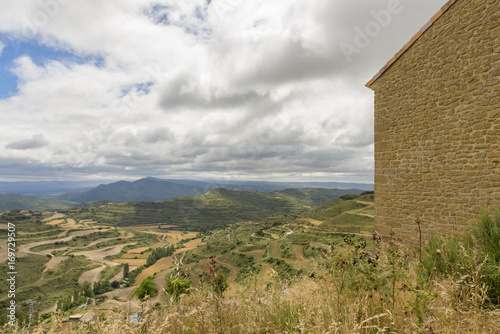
(37, 141)
(250, 89)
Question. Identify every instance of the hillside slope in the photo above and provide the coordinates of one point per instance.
(144, 190)
(15, 201)
(212, 210)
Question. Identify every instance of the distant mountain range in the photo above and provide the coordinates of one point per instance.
(144, 190)
(153, 189)
(266, 186)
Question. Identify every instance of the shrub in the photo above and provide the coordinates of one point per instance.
(444, 256)
(177, 287)
(474, 253)
(348, 197)
(146, 288)
(367, 193)
(487, 234)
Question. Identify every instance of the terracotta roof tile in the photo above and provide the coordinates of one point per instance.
(437, 15)
(447, 5)
(413, 39)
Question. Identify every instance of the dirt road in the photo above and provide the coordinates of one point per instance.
(26, 247)
(99, 254)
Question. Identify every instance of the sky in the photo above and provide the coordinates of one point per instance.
(226, 89)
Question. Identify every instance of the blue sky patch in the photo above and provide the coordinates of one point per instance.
(40, 55)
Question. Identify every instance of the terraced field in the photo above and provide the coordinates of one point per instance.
(281, 247)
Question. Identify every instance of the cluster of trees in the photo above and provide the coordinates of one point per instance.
(158, 253)
(101, 287)
(84, 292)
(78, 298)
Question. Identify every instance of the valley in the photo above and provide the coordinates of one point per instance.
(255, 238)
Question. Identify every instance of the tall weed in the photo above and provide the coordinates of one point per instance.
(474, 255)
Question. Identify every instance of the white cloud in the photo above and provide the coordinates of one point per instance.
(244, 88)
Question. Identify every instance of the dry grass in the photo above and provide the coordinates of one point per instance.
(161, 264)
(138, 250)
(304, 306)
(192, 244)
(389, 296)
(161, 244)
(149, 226)
(136, 256)
(312, 221)
(70, 223)
(132, 262)
(176, 236)
(56, 222)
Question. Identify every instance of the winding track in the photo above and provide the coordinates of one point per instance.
(26, 248)
(100, 254)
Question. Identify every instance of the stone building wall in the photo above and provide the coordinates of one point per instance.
(437, 125)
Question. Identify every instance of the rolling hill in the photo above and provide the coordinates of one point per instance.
(212, 210)
(16, 201)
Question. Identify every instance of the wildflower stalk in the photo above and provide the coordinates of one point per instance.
(417, 221)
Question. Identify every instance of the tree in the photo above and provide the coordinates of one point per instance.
(147, 288)
(87, 290)
(126, 270)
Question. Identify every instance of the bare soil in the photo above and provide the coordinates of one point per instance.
(99, 254)
(54, 263)
(56, 215)
(3, 250)
(26, 247)
(91, 276)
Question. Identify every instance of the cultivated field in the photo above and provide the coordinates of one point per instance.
(267, 251)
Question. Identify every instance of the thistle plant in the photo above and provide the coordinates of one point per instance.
(218, 280)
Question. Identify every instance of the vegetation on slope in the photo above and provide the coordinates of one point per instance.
(15, 201)
(357, 287)
(44, 287)
(213, 210)
(147, 189)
